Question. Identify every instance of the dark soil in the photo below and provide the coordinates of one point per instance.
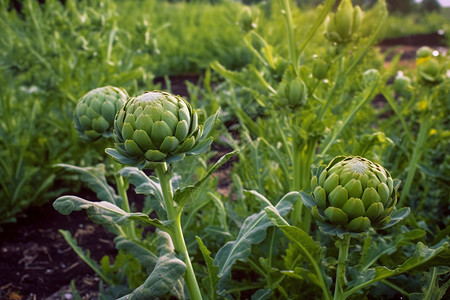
(36, 261)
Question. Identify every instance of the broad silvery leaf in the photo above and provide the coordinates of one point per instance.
(94, 177)
(102, 212)
(146, 185)
(166, 278)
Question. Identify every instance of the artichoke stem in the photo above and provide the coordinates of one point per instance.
(174, 214)
(344, 246)
(122, 190)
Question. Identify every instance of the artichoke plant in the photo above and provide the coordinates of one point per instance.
(354, 194)
(158, 127)
(95, 112)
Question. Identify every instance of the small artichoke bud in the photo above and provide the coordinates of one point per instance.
(95, 112)
(156, 127)
(342, 26)
(357, 17)
(292, 93)
(370, 76)
(424, 52)
(319, 69)
(246, 19)
(402, 85)
(354, 193)
(429, 70)
(344, 19)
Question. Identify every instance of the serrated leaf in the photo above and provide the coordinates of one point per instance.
(381, 247)
(300, 238)
(147, 186)
(182, 195)
(166, 277)
(144, 256)
(311, 251)
(84, 256)
(212, 280)
(262, 294)
(103, 212)
(230, 75)
(252, 232)
(95, 178)
(422, 257)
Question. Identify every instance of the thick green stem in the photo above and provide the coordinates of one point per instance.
(342, 265)
(417, 152)
(290, 34)
(121, 184)
(174, 214)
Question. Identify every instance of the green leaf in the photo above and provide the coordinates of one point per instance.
(300, 238)
(307, 200)
(234, 77)
(146, 185)
(212, 280)
(311, 251)
(381, 247)
(201, 147)
(96, 181)
(209, 125)
(262, 294)
(103, 212)
(183, 194)
(86, 257)
(252, 232)
(167, 275)
(397, 216)
(138, 250)
(423, 257)
(125, 160)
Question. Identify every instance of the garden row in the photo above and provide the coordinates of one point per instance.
(283, 98)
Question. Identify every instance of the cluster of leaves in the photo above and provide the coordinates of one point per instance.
(54, 52)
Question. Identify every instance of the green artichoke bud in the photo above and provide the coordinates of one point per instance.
(247, 19)
(158, 127)
(402, 85)
(292, 93)
(95, 112)
(319, 69)
(429, 70)
(424, 52)
(353, 193)
(370, 76)
(342, 26)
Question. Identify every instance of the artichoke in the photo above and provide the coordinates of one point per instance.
(353, 193)
(342, 26)
(158, 127)
(95, 112)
